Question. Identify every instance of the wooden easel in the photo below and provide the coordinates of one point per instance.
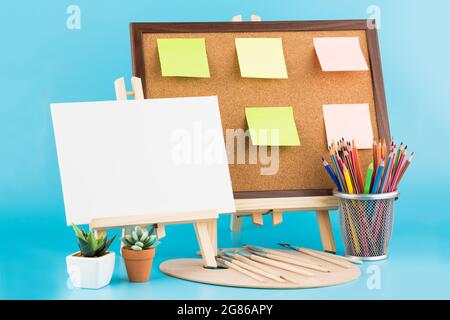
(257, 208)
(205, 222)
(321, 205)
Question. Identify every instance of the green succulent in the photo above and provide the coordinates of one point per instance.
(91, 247)
(140, 239)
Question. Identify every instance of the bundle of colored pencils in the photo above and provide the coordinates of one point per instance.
(384, 172)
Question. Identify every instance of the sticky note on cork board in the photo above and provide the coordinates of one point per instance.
(349, 121)
(183, 58)
(272, 126)
(261, 58)
(340, 54)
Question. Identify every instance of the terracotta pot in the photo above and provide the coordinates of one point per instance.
(138, 264)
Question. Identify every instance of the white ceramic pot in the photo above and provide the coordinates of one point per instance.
(90, 273)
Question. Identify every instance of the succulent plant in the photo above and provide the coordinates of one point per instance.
(140, 239)
(89, 245)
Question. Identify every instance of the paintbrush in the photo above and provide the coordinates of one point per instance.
(228, 264)
(244, 264)
(278, 264)
(284, 257)
(219, 251)
(323, 255)
(245, 257)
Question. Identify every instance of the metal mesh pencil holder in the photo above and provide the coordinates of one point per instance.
(366, 222)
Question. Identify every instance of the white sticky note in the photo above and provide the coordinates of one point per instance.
(340, 54)
(349, 121)
(141, 157)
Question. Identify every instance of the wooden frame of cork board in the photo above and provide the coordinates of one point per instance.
(300, 171)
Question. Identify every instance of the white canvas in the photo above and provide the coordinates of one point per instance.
(141, 157)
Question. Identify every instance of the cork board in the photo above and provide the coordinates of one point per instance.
(307, 89)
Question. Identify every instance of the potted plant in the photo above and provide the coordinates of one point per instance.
(92, 267)
(138, 251)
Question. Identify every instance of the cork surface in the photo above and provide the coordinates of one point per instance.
(306, 90)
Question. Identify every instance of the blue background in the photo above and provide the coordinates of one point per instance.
(41, 61)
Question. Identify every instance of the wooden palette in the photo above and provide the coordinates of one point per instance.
(193, 270)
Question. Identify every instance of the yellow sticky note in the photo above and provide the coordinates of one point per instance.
(272, 126)
(261, 58)
(183, 58)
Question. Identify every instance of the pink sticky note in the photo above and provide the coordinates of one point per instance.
(340, 54)
(349, 121)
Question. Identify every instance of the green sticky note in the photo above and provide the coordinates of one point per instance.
(272, 126)
(261, 58)
(183, 58)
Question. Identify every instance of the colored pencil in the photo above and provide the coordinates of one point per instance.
(338, 172)
(387, 172)
(368, 178)
(376, 183)
(400, 150)
(403, 170)
(379, 157)
(349, 166)
(332, 174)
(358, 165)
(348, 180)
(374, 152)
(397, 170)
(382, 175)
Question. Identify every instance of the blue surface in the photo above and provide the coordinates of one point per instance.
(41, 61)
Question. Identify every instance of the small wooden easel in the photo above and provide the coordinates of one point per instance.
(256, 208)
(205, 222)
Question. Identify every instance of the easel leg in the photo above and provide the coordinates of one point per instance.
(99, 233)
(236, 223)
(257, 218)
(205, 243)
(277, 217)
(326, 232)
(160, 231)
(212, 229)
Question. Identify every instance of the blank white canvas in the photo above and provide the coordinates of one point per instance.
(141, 157)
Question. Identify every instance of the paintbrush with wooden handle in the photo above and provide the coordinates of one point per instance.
(228, 264)
(278, 264)
(245, 257)
(251, 268)
(337, 260)
(284, 257)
